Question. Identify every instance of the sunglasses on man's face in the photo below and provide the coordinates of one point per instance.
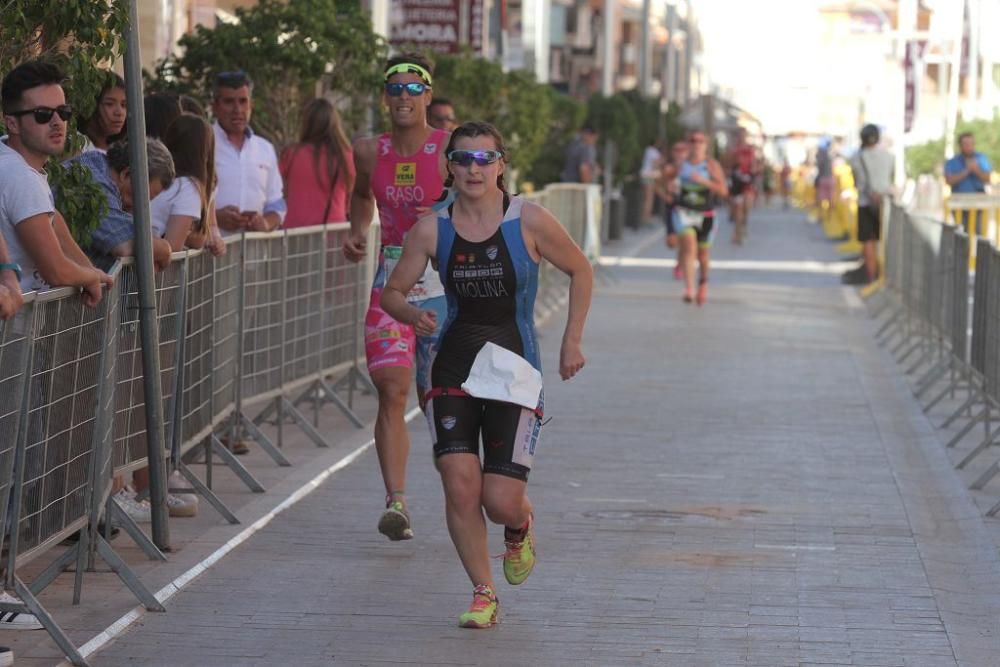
(43, 115)
(482, 158)
(412, 89)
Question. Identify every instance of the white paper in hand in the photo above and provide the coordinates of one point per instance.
(500, 375)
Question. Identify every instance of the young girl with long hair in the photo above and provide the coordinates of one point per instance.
(184, 213)
(318, 171)
(107, 124)
(487, 246)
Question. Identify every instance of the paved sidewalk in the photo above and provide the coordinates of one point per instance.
(748, 483)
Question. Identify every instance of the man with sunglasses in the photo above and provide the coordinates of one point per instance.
(250, 196)
(41, 249)
(401, 172)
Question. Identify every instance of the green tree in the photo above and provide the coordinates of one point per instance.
(519, 106)
(927, 158)
(83, 37)
(615, 120)
(291, 49)
(568, 115)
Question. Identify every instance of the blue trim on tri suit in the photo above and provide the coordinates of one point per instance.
(527, 288)
(445, 240)
(525, 268)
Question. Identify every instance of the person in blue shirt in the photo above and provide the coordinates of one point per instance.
(969, 171)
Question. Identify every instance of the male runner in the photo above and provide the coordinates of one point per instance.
(741, 161)
(402, 172)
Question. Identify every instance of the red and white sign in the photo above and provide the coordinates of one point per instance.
(441, 25)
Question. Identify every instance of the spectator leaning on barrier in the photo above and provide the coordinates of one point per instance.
(191, 105)
(10, 289)
(873, 173)
(115, 234)
(160, 110)
(37, 238)
(968, 172)
(107, 124)
(318, 172)
(250, 191)
(581, 158)
(184, 213)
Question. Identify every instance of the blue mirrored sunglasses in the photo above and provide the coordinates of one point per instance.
(482, 158)
(412, 89)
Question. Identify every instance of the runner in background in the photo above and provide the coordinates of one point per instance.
(401, 172)
(668, 188)
(741, 161)
(702, 183)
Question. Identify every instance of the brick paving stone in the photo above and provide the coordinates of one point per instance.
(749, 483)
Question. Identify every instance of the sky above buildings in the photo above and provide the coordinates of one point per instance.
(767, 57)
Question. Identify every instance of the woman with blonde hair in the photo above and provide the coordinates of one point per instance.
(318, 171)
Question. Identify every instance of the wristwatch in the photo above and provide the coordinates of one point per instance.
(16, 268)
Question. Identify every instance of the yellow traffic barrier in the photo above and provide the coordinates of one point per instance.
(844, 221)
(973, 207)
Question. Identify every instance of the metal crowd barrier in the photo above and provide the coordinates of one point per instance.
(577, 207)
(275, 313)
(270, 324)
(946, 311)
(978, 214)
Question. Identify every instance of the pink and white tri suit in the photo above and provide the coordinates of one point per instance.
(402, 185)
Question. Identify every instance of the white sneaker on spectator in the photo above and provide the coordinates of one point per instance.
(182, 505)
(6, 656)
(14, 620)
(179, 481)
(139, 510)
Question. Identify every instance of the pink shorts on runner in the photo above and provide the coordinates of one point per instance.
(392, 344)
(388, 343)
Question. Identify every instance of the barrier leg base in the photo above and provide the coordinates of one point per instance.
(972, 399)
(264, 442)
(31, 605)
(979, 449)
(930, 378)
(133, 530)
(58, 566)
(127, 576)
(331, 395)
(207, 494)
(303, 423)
(967, 428)
(986, 477)
(233, 463)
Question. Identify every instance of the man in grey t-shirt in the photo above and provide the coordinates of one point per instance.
(873, 174)
(36, 115)
(581, 158)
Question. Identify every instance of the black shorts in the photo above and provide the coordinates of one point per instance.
(869, 224)
(739, 186)
(509, 432)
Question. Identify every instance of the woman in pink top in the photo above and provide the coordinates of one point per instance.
(318, 172)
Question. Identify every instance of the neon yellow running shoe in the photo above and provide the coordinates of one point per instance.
(483, 611)
(395, 521)
(519, 559)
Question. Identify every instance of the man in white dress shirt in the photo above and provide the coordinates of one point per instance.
(250, 196)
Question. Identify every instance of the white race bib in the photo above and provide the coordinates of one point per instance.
(691, 218)
(429, 285)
